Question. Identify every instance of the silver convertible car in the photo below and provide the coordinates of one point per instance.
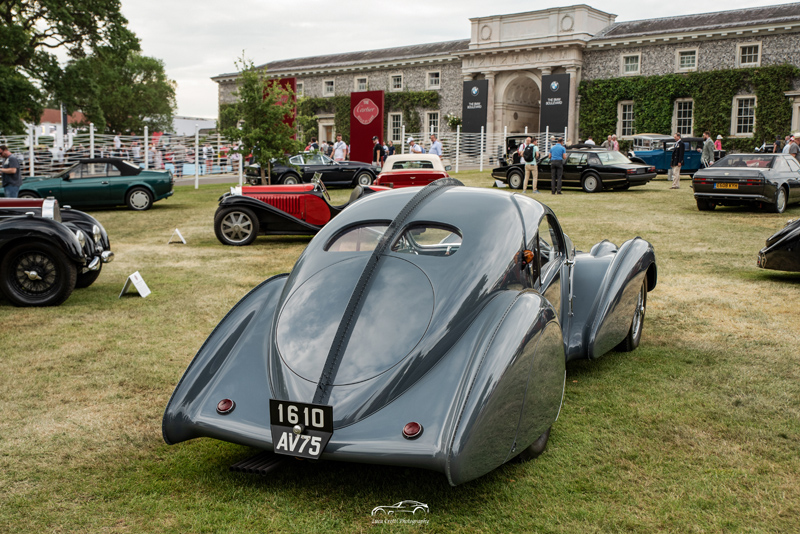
(423, 327)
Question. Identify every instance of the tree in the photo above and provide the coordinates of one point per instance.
(121, 89)
(29, 33)
(261, 111)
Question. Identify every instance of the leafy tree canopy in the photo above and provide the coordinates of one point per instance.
(260, 112)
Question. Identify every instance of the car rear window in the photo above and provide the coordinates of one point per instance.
(412, 165)
(612, 157)
(428, 240)
(363, 238)
(746, 160)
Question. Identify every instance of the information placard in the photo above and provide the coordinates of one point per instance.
(138, 283)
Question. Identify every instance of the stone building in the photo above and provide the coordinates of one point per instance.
(513, 52)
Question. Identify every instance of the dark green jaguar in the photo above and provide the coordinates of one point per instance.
(101, 182)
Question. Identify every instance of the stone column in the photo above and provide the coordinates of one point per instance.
(547, 71)
(490, 104)
(572, 124)
(467, 77)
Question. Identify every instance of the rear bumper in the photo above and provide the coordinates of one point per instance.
(733, 198)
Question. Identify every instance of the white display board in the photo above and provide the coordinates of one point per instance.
(138, 283)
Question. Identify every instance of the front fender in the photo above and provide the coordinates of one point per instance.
(85, 222)
(514, 392)
(606, 282)
(17, 230)
(231, 365)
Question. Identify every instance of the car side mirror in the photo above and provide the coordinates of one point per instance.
(448, 167)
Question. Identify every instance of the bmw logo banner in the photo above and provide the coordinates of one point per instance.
(555, 103)
(474, 106)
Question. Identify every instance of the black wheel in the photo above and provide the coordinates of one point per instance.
(291, 179)
(631, 341)
(515, 180)
(704, 205)
(780, 201)
(536, 448)
(591, 183)
(236, 226)
(28, 194)
(364, 179)
(88, 278)
(37, 274)
(139, 199)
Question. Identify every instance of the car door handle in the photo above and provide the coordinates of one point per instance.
(104, 183)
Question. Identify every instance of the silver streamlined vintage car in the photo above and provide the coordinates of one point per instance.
(424, 327)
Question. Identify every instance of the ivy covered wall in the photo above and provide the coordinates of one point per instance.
(407, 102)
(712, 91)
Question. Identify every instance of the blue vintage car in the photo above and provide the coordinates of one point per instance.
(656, 150)
(423, 327)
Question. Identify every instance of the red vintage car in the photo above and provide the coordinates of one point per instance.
(409, 170)
(301, 209)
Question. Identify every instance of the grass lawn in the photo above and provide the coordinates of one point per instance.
(698, 430)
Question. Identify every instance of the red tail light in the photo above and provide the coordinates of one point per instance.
(412, 430)
(225, 406)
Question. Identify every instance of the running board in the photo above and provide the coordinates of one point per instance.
(261, 464)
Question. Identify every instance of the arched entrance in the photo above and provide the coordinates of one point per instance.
(519, 103)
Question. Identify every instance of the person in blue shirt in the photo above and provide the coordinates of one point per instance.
(557, 152)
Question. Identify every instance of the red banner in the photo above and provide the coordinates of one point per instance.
(289, 84)
(366, 120)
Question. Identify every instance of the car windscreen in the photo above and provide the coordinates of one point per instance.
(612, 157)
(746, 160)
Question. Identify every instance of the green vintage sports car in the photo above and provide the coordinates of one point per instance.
(101, 182)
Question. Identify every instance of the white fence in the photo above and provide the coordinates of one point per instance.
(478, 150)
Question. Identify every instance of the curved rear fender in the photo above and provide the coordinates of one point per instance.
(267, 214)
(606, 284)
(489, 419)
(230, 364)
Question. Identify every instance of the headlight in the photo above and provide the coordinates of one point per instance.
(81, 238)
(96, 233)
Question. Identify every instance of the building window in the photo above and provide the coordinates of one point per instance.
(631, 64)
(361, 84)
(743, 121)
(748, 55)
(683, 118)
(396, 127)
(433, 123)
(625, 124)
(687, 60)
(299, 89)
(396, 82)
(328, 88)
(434, 80)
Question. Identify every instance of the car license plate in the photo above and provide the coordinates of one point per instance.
(725, 185)
(300, 429)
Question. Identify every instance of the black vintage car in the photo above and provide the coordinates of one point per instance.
(761, 180)
(302, 167)
(590, 169)
(782, 250)
(46, 252)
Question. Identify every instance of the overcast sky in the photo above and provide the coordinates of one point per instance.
(198, 40)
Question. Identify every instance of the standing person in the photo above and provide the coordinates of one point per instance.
(339, 149)
(313, 145)
(117, 144)
(607, 144)
(436, 146)
(707, 152)
(413, 147)
(12, 177)
(589, 141)
(677, 161)
(528, 153)
(718, 142)
(614, 143)
(378, 154)
(323, 147)
(390, 149)
(557, 152)
(776, 146)
(794, 148)
(788, 145)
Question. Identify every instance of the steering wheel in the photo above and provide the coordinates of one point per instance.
(321, 187)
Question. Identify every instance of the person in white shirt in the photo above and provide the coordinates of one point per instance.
(436, 146)
(531, 165)
(339, 149)
(413, 148)
(589, 141)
